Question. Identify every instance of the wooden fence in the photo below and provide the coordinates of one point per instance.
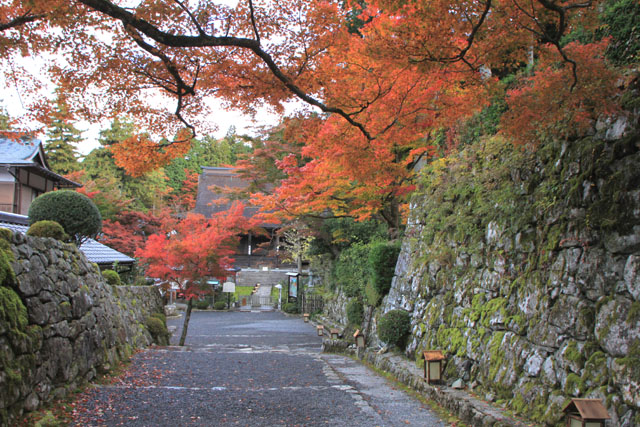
(310, 303)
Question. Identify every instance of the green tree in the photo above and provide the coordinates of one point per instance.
(4, 119)
(62, 140)
(206, 151)
(145, 193)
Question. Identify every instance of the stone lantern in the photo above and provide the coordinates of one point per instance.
(586, 413)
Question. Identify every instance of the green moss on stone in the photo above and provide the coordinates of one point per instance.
(12, 310)
(630, 361)
(573, 354)
(6, 234)
(574, 385)
(634, 312)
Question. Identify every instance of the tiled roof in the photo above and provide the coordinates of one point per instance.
(19, 151)
(28, 153)
(93, 250)
(220, 177)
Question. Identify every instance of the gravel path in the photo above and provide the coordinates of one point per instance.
(248, 369)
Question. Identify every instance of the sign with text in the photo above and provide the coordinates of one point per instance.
(228, 287)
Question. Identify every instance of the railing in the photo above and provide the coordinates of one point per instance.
(261, 301)
(310, 303)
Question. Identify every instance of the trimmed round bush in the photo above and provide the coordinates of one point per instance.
(290, 307)
(158, 330)
(47, 228)
(202, 304)
(75, 212)
(219, 305)
(112, 277)
(160, 316)
(355, 312)
(394, 327)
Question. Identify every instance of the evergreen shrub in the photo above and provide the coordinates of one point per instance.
(290, 307)
(352, 269)
(158, 330)
(160, 316)
(394, 327)
(47, 228)
(112, 277)
(382, 261)
(355, 312)
(202, 304)
(372, 296)
(5, 234)
(75, 212)
(219, 305)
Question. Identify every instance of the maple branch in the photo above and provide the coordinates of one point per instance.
(252, 14)
(172, 40)
(20, 20)
(470, 38)
(182, 89)
(192, 17)
(561, 11)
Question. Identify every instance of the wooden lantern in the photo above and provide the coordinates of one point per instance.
(306, 317)
(359, 337)
(334, 333)
(586, 413)
(320, 329)
(433, 366)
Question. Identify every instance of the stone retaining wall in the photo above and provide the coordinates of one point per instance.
(524, 269)
(60, 323)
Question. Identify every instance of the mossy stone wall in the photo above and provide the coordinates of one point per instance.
(60, 323)
(523, 266)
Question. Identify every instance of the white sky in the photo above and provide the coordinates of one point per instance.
(12, 101)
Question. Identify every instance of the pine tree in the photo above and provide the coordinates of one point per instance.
(62, 141)
(5, 120)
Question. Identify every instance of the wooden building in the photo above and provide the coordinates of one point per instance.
(24, 173)
(258, 259)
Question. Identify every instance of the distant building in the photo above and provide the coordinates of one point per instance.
(24, 173)
(258, 259)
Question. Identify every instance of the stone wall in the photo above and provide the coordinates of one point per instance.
(524, 268)
(60, 323)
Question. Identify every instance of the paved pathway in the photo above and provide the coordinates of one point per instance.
(249, 369)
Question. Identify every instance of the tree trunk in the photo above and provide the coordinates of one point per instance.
(185, 325)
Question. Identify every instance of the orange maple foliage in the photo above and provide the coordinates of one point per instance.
(412, 67)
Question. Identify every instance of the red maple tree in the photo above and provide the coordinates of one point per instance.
(189, 251)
